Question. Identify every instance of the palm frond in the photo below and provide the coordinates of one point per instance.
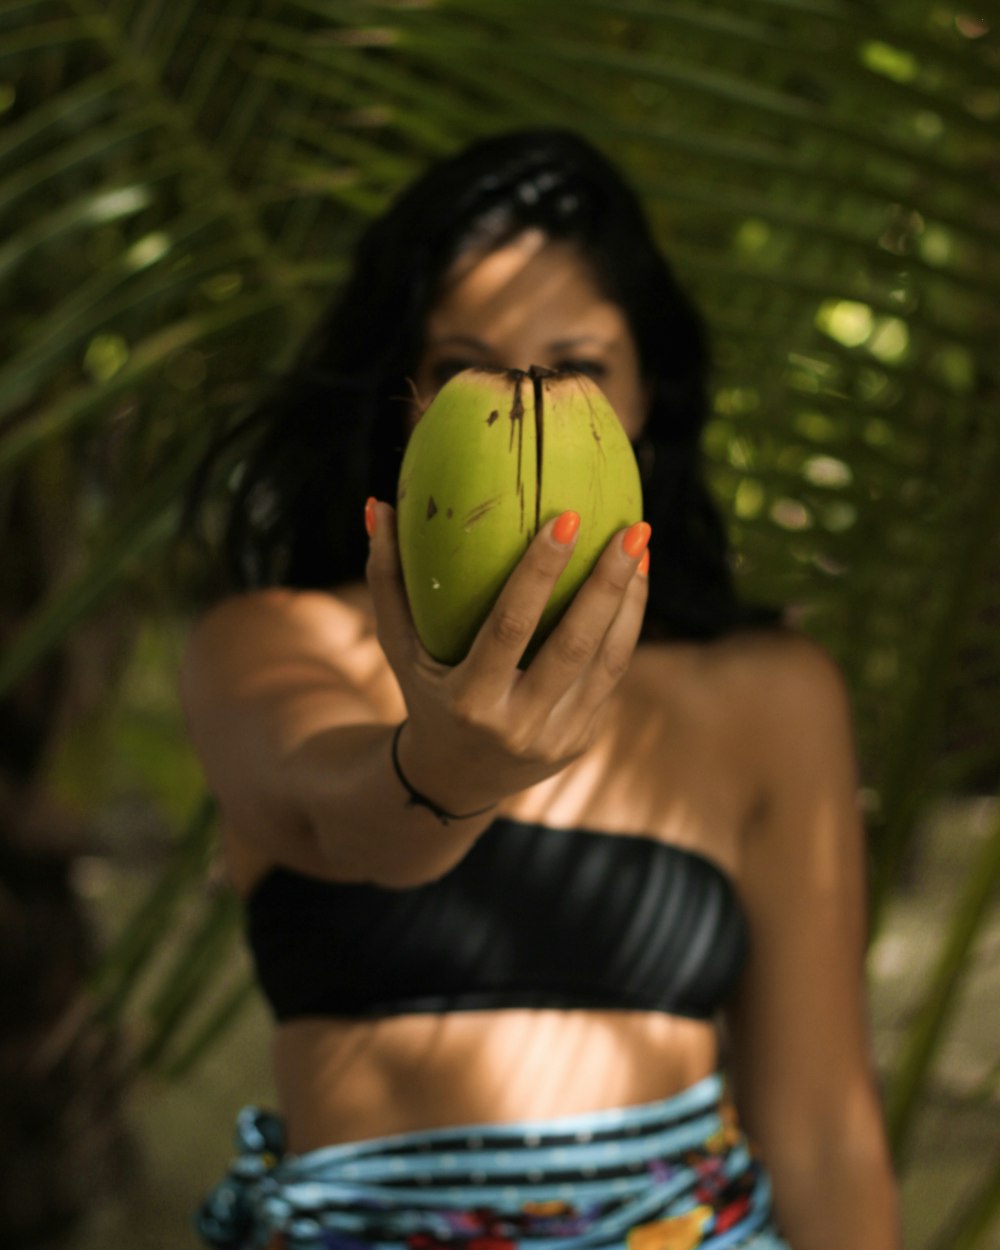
(180, 187)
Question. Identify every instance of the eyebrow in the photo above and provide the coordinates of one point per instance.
(558, 345)
(562, 345)
(461, 340)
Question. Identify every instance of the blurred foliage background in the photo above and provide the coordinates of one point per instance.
(180, 185)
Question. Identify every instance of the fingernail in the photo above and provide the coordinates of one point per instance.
(636, 539)
(370, 515)
(643, 569)
(564, 530)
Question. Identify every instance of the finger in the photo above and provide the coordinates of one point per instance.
(501, 642)
(613, 657)
(571, 647)
(394, 622)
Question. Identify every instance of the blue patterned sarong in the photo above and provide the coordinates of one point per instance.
(671, 1175)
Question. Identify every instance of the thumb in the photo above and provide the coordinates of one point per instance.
(394, 621)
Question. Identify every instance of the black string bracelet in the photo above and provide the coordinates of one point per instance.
(417, 799)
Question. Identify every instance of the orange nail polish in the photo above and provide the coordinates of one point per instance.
(643, 569)
(636, 539)
(565, 529)
(370, 515)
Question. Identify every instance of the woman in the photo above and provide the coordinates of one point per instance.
(505, 916)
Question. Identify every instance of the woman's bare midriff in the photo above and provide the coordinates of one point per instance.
(344, 1080)
(657, 770)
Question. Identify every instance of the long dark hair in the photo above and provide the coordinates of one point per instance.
(332, 431)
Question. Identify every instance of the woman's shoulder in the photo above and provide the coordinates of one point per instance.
(257, 622)
(779, 659)
(791, 706)
(261, 631)
(781, 662)
(768, 686)
(283, 608)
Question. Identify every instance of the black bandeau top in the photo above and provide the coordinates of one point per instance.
(531, 917)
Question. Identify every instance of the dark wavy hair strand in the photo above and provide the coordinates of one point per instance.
(332, 431)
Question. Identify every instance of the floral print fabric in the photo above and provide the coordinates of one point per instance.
(670, 1175)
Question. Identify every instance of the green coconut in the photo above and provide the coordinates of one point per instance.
(496, 455)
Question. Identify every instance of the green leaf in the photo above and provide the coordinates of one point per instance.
(181, 186)
(148, 930)
(971, 1226)
(944, 985)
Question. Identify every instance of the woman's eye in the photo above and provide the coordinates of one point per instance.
(595, 369)
(444, 370)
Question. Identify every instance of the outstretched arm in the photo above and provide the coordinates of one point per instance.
(802, 1069)
(293, 721)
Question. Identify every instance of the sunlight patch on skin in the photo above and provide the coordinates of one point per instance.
(562, 797)
(827, 865)
(530, 1064)
(608, 781)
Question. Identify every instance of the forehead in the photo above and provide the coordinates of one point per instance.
(526, 284)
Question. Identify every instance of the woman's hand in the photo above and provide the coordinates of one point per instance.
(484, 729)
